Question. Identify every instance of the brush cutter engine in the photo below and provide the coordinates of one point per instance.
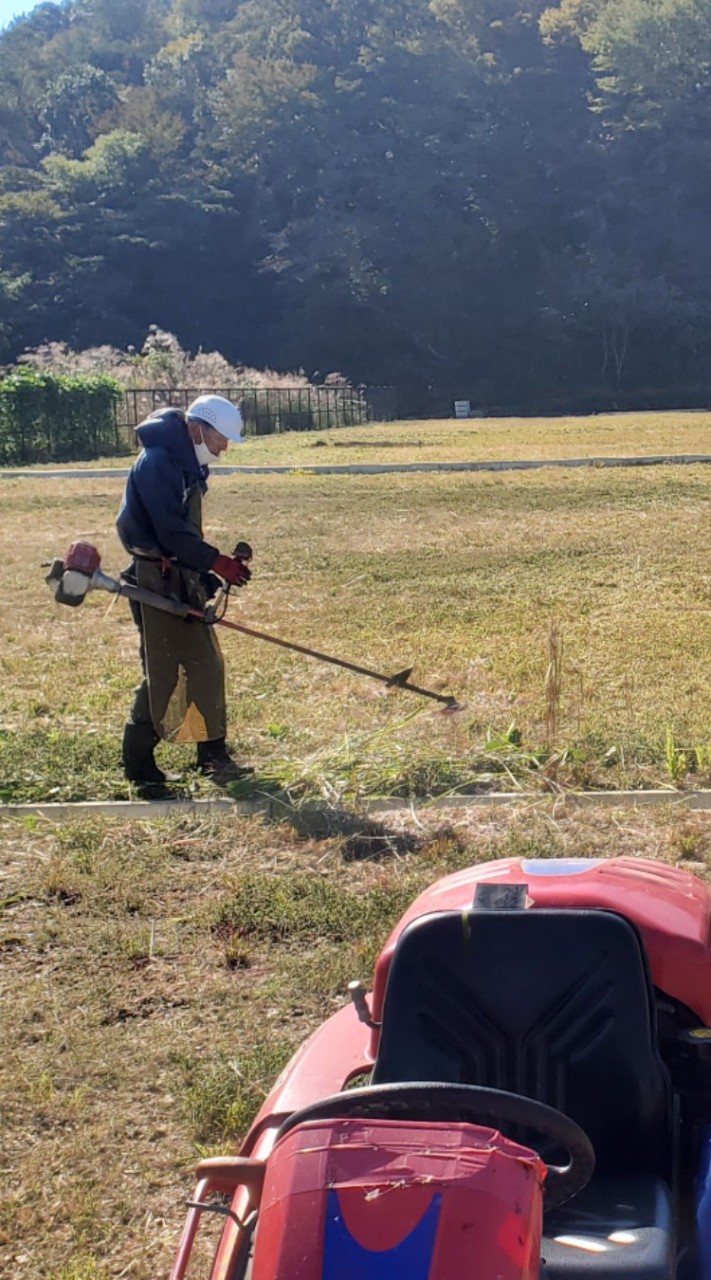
(78, 573)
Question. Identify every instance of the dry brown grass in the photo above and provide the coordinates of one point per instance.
(460, 574)
(121, 1061)
(128, 987)
(490, 439)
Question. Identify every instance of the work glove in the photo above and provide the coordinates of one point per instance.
(233, 570)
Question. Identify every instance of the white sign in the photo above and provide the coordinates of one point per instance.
(462, 408)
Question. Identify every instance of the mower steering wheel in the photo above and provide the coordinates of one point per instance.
(471, 1104)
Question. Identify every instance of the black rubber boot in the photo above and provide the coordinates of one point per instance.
(139, 766)
(215, 761)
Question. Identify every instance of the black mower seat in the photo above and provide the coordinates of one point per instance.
(555, 1005)
(616, 1227)
(558, 1006)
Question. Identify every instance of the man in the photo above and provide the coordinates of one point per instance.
(182, 697)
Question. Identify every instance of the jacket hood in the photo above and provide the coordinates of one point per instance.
(166, 429)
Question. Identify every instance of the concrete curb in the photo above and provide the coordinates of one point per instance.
(130, 810)
(275, 808)
(384, 468)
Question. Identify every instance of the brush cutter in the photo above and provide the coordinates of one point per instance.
(80, 572)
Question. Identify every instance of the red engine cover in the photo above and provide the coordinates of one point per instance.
(380, 1200)
(83, 558)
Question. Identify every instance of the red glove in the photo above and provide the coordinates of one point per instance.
(233, 570)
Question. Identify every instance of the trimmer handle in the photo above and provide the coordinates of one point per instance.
(243, 551)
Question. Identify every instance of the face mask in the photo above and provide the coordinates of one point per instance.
(203, 455)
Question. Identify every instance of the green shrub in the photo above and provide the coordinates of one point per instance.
(47, 417)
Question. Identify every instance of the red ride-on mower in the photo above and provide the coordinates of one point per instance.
(538, 1057)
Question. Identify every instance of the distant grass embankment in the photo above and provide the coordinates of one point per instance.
(487, 439)
(476, 439)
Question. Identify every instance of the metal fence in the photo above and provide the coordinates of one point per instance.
(267, 410)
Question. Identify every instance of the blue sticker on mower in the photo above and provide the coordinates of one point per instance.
(558, 866)
(345, 1259)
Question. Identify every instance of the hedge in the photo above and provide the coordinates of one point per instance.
(46, 417)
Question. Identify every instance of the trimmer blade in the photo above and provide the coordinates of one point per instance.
(452, 707)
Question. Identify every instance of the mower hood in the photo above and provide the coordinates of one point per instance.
(382, 1199)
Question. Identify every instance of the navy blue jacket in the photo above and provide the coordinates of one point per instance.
(161, 482)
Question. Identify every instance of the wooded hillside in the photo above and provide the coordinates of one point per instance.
(492, 195)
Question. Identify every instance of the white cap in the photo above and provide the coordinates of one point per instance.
(219, 413)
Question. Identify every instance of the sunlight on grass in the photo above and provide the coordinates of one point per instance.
(475, 439)
(156, 976)
(137, 1059)
(467, 577)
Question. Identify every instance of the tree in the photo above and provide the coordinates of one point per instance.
(652, 58)
(481, 193)
(74, 108)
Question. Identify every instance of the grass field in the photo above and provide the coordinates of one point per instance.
(155, 976)
(605, 434)
(482, 580)
(486, 440)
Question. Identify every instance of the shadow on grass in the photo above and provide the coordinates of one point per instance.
(365, 838)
